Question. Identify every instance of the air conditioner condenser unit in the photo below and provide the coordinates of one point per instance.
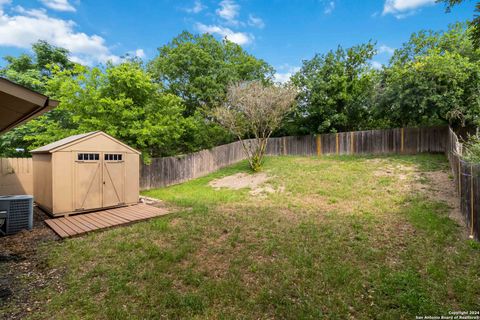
(16, 214)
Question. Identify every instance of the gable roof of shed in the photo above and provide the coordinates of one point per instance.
(65, 142)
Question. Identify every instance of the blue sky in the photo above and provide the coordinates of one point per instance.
(282, 32)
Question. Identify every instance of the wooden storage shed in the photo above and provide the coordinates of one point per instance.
(85, 172)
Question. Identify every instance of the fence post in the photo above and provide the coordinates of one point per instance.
(284, 140)
(402, 139)
(459, 177)
(319, 145)
(472, 200)
(352, 143)
(336, 142)
(419, 147)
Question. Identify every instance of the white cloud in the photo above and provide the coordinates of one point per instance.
(140, 53)
(197, 7)
(81, 61)
(377, 65)
(404, 8)
(229, 10)
(255, 21)
(386, 49)
(282, 77)
(228, 17)
(240, 38)
(284, 73)
(329, 7)
(28, 26)
(59, 5)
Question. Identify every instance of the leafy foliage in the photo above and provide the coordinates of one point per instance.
(471, 149)
(31, 71)
(254, 109)
(433, 89)
(475, 23)
(455, 39)
(198, 68)
(433, 79)
(336, 91)
(166, 107)
(122, 101)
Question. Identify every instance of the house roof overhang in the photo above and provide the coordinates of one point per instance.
(19, 104)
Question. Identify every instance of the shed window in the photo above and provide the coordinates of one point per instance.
(113, 157)
(88, 156)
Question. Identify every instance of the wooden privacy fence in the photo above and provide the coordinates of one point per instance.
(172, 170)
(16, 176)
(467, 177)
(402, 140)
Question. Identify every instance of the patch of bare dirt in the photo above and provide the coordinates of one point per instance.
(435, 185)
(255, 182)
(154, 202)
(398, 170)
(240, 181)
(442, 188)
(23, 271)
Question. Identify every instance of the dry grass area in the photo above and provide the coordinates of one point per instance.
(339, 238)
(257, 183)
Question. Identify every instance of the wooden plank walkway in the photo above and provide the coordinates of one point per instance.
(85, 222)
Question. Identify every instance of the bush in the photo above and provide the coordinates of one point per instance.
(471, 149)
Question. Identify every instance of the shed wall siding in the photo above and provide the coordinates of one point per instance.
(42, 180)
(132, 186)
(62, 182)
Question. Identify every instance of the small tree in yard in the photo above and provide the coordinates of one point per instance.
(255, 110)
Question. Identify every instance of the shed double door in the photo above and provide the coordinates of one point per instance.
(99, 180)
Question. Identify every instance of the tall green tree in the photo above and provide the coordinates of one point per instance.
(455, 39)
(199, 68)
(121, 100)
(337, 90)
(432, 79)
(475, 23)
(32, 71)
(431, 90)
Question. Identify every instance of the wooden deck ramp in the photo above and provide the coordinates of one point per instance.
(82, 223)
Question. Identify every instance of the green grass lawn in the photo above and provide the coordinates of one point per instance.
(348, 237)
